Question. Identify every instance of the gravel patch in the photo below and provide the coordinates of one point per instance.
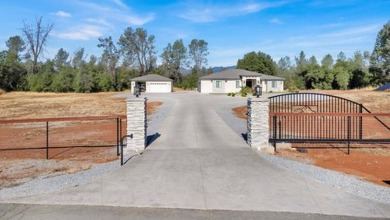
(348, 183)
(46, 184)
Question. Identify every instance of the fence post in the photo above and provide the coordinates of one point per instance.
(47, 140)
(258, 123)
(349, 131)
(275, 131)
(117, 136)
(120, 128)
(361, 122)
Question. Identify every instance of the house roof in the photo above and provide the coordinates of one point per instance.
(150, 77)
(234, 74)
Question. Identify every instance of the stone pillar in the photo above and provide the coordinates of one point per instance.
(258, 124)
(136, 124)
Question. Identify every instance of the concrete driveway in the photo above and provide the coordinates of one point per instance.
(200, 163)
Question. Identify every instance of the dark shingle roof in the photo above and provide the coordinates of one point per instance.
(236, 74)
(151, 77)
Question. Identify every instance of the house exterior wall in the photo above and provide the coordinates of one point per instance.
(231, 86)
(220, 88)
(273, 86)
(206, 86)
(226, 86)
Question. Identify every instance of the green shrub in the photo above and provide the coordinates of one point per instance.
(245, 91)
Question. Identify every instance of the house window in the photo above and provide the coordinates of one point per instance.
(274, 84)
(238, 84)
(218, 84)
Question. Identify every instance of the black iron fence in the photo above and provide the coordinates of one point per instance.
(55, 133)
(321, 118)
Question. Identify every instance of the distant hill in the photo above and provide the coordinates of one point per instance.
(221, 68)
(215, 69)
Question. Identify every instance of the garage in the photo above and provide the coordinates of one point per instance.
(152, 83)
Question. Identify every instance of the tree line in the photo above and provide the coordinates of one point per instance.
(134, 54)
(361, 70)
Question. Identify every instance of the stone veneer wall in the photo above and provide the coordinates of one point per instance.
(136, 123)
(258, 125)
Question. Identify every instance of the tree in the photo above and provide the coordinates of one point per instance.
(284, 64)
(36, 39)
(109, 59)
(318, 78)
(174, 58)
(380, 57)
(61, 59)
(341, 78)
(341, 57)
(62, 81)
(258, 62)
(198, 52)
(78, 58)
(11, 69)
(15, 45)
(360, 76)
(327, 61)
(138, 48)
(301, 62)
(313, 61)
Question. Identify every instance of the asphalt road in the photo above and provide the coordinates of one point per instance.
(198, 167)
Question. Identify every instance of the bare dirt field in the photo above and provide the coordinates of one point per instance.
(367, 161)
(74, 145)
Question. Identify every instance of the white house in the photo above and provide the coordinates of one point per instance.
(153, 83)
(232, 80)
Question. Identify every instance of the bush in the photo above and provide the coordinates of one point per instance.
(62, 81)
(245, 91)
(39, 82)
(105, 83)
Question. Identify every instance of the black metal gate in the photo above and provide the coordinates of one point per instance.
(313, 117)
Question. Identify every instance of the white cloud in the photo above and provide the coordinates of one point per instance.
(120, 3)
(83, 32)
(136, 20)
(275, 21)
(115, 10)
(100, 21)
(203, 13)
(63, 14)
(355, 31)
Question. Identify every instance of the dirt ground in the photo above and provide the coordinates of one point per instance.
(74, 145)
(367, 161)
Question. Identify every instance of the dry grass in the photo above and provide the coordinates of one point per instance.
(375, 101)
(42, 105)
(2, 92)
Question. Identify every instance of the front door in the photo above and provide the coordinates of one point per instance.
(249, 83)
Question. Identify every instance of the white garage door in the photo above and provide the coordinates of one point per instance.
(158, 87)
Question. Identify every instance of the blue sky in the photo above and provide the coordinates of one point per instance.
(231, 28)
